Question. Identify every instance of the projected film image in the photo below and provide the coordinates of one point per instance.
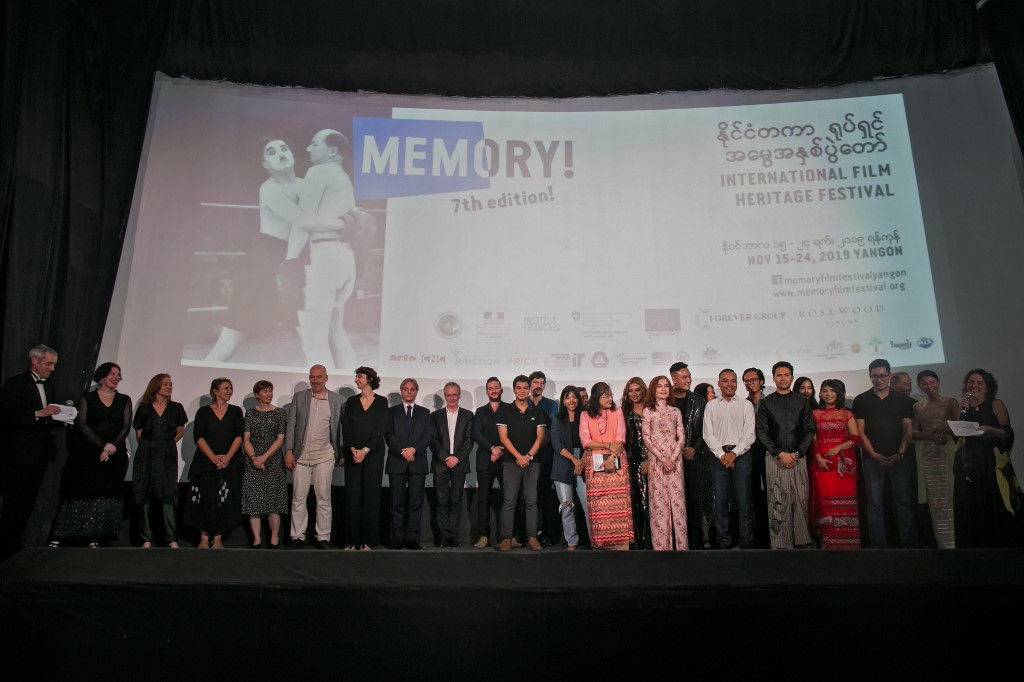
(285, 266)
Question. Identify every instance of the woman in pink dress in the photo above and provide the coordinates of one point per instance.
(833, 473)
(664, 436)
(603, 432)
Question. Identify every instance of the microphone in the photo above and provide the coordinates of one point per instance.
(964, 408)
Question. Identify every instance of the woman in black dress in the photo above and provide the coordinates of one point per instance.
(159, 424)
(986, 493)
(633, 397)
(363, 425)
(215, 477)
(91, 505)
(264, 486)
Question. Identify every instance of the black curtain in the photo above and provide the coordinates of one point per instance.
(1003, 23)
(77, 77)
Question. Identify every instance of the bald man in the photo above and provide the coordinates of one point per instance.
(312, 450)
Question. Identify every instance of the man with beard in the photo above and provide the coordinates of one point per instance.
(698, 476)
(489, 452)
(547, 501)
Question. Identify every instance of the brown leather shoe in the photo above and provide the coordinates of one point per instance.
(505, 545)
(482, 542)
(534, 544)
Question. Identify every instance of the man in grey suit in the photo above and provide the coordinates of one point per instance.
(452, 444)
(312, 450)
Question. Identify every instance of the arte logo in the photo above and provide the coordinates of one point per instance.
(402, 358)
(410, 157)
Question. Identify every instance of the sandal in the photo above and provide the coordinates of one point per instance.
(53, 543)
(147, 544)
(94, 545)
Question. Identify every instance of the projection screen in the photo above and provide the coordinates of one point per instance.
(594, 239)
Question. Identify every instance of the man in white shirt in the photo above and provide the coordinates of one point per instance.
(728, 433)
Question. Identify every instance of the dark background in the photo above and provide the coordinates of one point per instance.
(77, 76)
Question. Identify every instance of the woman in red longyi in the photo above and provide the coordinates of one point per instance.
(833, 472)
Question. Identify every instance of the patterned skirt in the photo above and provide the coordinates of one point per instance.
(215, 501)
(611, 516)
(834, 507)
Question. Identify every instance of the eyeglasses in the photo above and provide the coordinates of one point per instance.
(878, 377)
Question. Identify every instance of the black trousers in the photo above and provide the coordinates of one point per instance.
(449, 485)
(362, 500)
(406, 504)
(486, 501)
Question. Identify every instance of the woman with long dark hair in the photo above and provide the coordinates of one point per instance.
(634, 398)
(833, 471)
(159, 424)
(567, 467)
(603, 433)
(986, 493)
(805, 387)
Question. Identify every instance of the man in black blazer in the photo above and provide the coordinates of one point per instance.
(452, 445)
(410, 433)
(489, 452)
(26, 418)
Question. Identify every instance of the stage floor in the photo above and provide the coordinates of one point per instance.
(466, 613)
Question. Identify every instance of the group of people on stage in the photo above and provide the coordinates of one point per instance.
(668, 468)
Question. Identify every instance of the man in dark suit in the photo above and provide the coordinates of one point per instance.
(26, 418)
(410, 433)
(452, 445)
(489, 451)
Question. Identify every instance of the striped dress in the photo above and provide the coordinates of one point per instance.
(611, 517)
